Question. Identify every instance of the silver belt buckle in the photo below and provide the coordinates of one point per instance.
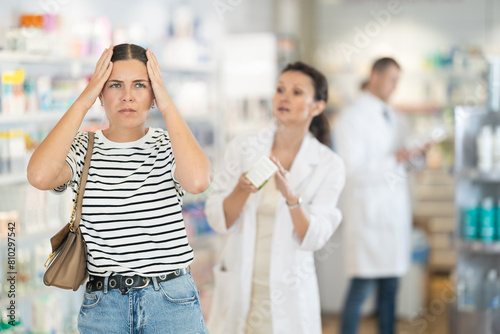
(145, 284)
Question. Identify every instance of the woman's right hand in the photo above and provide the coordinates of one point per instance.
(101, 74)
(234, 203)
(245, 185)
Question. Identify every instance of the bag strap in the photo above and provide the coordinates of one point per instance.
(74, 224)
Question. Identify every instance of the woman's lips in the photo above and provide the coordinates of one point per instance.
(282, 109)
(126, 110)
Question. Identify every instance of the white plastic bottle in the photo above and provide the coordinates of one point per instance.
(491, 291)
(485, 149)
(496, 149)
(468, 291)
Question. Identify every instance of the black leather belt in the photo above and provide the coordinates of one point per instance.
(125, 283)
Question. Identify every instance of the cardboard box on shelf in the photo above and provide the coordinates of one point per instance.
(442, 260)
(441, 225)
(440, 241)
(435, 192)
(434, 209)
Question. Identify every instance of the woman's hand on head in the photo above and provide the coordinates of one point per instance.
(159, 90)
(101, 74)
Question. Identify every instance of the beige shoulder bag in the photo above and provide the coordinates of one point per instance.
(67, 264)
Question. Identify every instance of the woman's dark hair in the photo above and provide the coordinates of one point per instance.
(129, 52)
(320, 127)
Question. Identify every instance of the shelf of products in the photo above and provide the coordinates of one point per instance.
(476, 175)
(477, 241)
(45, 63)
(479, 247)
(12, 178)
(49, 117)
(37, 215)
(29, 58)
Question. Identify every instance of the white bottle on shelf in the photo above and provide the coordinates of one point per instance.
(496, 149)
(468, 291)
(485, 149)
(491, 291)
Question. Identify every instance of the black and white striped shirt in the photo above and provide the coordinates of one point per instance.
(131, 212)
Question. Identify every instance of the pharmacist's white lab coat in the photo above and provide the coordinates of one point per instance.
(375, 202)
(317, 174)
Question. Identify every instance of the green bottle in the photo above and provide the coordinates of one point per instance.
(497, 221)
(487, 221)
(470, 222)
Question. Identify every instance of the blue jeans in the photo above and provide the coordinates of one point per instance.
(359, 290)
(172, 306)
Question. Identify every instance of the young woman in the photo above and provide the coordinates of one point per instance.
(266, 282)
(138, 252)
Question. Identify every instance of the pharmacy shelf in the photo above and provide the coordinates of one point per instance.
(29, 295)
(473, 321)
(445, 73)
(14, 178)
(478, 247)
(26, 58)
(44, 117)
(189, 69)
(37, 117)
(476, 175)
(23, 58)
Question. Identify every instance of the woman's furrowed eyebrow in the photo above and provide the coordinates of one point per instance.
(120, 81)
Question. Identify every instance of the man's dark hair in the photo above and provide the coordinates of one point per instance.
(381, 64)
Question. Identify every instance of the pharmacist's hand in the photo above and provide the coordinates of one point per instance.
(245, 185)
(282, 183)
(422, 150)
(403, 155)
(101, 74)
(159, 90)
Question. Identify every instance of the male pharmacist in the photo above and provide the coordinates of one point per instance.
(369, 137)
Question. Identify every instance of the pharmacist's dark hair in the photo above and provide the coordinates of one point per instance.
(320, 126)
(381, 64)
(129, 52)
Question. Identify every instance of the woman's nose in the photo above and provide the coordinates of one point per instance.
(283, 96)
(127, 95)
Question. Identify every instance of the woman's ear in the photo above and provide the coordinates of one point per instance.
(318, 107)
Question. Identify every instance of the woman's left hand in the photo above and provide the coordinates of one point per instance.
(282, 183)
(160, 92)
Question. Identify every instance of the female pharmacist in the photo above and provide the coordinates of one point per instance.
(131, 217)
(266, 281)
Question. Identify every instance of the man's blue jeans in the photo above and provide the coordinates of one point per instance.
(359, 290)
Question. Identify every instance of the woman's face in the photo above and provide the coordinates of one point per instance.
(293, 101)
(127, 96)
